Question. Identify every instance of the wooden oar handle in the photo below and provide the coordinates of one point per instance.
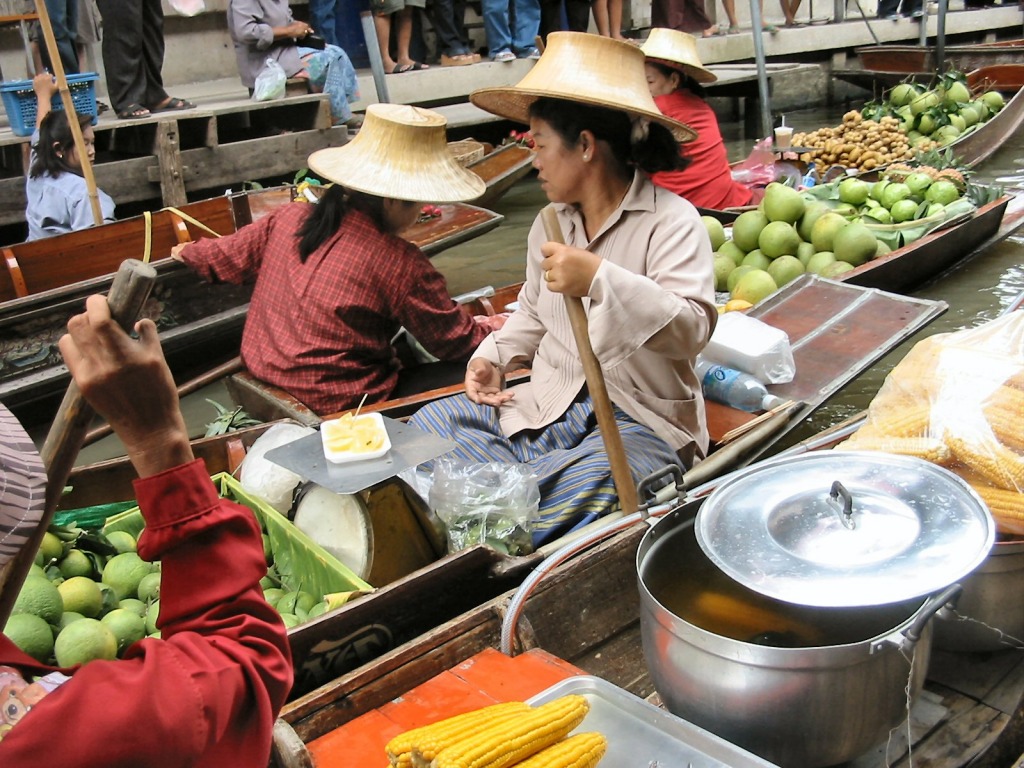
(128, 293)
(621, 476)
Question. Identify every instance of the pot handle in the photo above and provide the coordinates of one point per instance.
(948, 596)
(652, 486)
(846, 514)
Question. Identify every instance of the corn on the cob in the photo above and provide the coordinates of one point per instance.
(928, 448)
(584, 750)
(1006, 427)
(399, 749)
(908, 422)
(993, 461)
(517, 739)
(1007, 507)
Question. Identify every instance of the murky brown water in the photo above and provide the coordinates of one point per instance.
(977, 291)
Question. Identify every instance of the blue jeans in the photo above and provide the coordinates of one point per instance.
(519, 37)
(64, 20)
(321, 18)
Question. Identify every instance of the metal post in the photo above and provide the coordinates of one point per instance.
(762, 69)
(376, 61)
(940, 37)
(839, 11)
(923, 29)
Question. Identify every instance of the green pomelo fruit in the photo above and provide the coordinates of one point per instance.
(835, 269)
(957, 93)
(918, 182)
(942, 191)
(855, 244)
(854, 191)
(733, 251)
(66, 618)
(39, 597)
(84, 641)
(804, 252)
(880, 215)
(273, 594)
(754, 286)
(819, 261)
(124, 572)
(970, 115)
(75, 563)
(894, 193)
(723, 266)
(31, 634)
(747, 228)
(812, 213)
(979, 106)
(152, 616)
(715, 231)
(902, 94)
(881, 249)
(934, 209)
(110, 599)
(946, 134)
(290, 620)
(779, 238)
(878, 188)
(782, 203)
(122, 541)
(824, 231)
(924, 101)
(82, 595)
(756, 259)
(926, 124)
(993, 100)
(136, 606)
(149, 588)
(958, 122)
(904, 210)
(785, 269)
(735, 276)
(127, 627)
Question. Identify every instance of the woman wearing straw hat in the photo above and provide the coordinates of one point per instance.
(206, 692)
(640, 259)
(675, 75)
(335, 282)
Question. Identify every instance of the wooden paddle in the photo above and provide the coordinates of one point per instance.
(621, 476)
(128, 293)
(69, 109)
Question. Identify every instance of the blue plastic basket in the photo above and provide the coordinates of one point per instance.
(20, 101)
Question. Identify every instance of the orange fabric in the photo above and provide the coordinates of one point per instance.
(707, 182)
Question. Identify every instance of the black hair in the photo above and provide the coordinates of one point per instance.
(654, 150)
(329, 213)
(55, 136)
(685, 81)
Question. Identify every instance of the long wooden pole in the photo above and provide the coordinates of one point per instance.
(621, 476)
(129, 291)
(69, 109)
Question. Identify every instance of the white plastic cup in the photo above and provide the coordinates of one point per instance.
(783, 137)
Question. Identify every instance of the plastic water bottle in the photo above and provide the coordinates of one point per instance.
(734, 388)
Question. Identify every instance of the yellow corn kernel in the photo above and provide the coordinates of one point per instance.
(584, 750)
(399, 749)
(1005, 426)
(908, 422)
(996, 463)
(511, 742)
(1007, 507)
(928, 448)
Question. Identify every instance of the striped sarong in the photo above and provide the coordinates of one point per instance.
(567, 457)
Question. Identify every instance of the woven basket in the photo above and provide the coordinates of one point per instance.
(466, 151)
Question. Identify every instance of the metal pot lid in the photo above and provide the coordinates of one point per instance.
(845, 528)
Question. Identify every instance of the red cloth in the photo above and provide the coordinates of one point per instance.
(707, 181)
(322, 330)
(208, 692)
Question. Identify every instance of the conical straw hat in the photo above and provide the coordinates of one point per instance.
(584, 68)
(400, 152)
(677, 50)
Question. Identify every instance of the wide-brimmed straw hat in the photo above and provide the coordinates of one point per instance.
(22, 487)
(400, 152)
(677, 50)
(583, 68)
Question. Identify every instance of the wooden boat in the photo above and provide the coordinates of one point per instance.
(46, 281)
(915, 58)
(500, 170)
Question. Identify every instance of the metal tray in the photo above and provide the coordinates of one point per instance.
(642, 736)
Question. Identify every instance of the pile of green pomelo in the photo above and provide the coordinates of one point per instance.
(941, 114)
(77, 605)
(793, 232)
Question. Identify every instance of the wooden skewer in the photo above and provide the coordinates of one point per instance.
(735, 432)
(621, 476)
(359, 407)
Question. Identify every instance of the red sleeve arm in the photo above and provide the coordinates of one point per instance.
(205, 694)
(232, 259)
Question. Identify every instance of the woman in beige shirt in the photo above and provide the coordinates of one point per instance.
(638, 256)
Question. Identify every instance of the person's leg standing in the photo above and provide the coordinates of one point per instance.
(152, 58)
(122, 52)
(527, 25)
(322, 19)
(499, 37)
(449, 41)
(577, 15)
(64, 20)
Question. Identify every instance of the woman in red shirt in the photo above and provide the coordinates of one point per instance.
(674, 75)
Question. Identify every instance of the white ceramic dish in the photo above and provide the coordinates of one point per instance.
(344, 457)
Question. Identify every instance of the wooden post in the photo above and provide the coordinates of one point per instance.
(69, 109)
(172, 173)
(129, 291)
(622, 477)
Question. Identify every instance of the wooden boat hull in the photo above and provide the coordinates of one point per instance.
(200, 323)
(914, 58)
(500, 170)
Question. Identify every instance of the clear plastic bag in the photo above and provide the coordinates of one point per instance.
(956, 400)
(486, 503)
(752, 346)
(187, 7)
(270, 82)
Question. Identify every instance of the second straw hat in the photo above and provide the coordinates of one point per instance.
(677, 50)
(585, 68)
(400, 152)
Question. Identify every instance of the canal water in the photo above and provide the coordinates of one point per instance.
(976, 292)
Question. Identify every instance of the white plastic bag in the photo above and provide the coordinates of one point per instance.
(187, 7)
(270, 82)
(752, 346)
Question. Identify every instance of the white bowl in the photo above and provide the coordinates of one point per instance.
(343, 457)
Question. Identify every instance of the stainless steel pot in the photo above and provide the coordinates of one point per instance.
(989, 615)
(798, 685)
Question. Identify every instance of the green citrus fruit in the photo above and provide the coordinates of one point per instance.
(39, 597)
(715, 231)
(66, 618)
(75, 563)
(782, 203)
(152, 615)
(124, 572)
(31, 634)
(82, 595)
(84, 641)
(754, 286)
(122, 541)
(127, 626)
(149, 587)
(137, 607)
(52, 548)
(785, 269)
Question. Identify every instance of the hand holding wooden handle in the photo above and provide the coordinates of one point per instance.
(621, 476)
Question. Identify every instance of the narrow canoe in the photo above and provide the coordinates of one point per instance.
(500, 170)
(914, 58)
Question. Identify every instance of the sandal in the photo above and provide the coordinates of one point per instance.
(173, 104)
(732, 29)
(133, 112)
(400, 69)
(417, 66)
